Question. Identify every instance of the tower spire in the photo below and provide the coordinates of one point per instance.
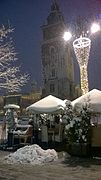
(55, 1)
(55, 5)
(55, 15)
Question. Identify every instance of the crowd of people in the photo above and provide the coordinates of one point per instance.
(38, 126)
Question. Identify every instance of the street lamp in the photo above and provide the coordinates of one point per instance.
(82, 47)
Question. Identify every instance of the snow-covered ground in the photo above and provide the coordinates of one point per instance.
(33, 155)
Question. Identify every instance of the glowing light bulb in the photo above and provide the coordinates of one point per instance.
(95, 28)
(67, 36)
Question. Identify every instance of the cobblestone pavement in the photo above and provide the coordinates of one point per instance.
(72, 168)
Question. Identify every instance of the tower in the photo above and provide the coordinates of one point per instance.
(57, 61)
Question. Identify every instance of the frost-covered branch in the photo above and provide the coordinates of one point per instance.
(14, 84)
(10, 78)
(7, 53)
(4, 32)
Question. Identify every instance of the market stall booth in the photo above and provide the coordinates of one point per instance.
(9, 123)
(48, 110)
(92, 99)
(49, 104)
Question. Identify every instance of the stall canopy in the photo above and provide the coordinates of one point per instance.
(11, 106)
(92, 98)
(49, 104)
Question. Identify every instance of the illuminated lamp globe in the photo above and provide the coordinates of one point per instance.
(95, 28)
(67, 36)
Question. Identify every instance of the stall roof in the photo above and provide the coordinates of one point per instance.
(93, 98)
(49, 104)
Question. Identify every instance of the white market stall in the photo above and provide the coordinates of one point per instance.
(49, 104)
(92, 98)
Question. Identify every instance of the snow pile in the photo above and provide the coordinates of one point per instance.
(33, 155)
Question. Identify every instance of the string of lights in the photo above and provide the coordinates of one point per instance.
(82, 47)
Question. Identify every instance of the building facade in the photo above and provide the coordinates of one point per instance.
(57, 59)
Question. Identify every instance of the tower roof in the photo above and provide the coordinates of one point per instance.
(54, 6)
(55, 15)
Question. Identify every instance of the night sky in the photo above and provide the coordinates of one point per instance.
(27, 17)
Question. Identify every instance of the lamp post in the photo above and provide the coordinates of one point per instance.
(82, 47)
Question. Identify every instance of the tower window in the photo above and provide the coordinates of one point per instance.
(45, 81)
(53, 72)
(52, 54)
(52, 88)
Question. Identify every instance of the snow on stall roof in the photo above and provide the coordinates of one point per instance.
(49, 104)
(32, 154)
(93, 98)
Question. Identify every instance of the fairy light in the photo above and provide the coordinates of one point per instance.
(82, 47)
